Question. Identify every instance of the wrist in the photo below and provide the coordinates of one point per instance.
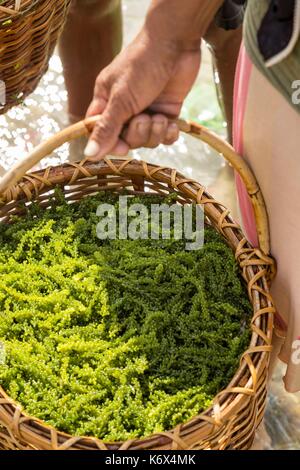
(166, 50)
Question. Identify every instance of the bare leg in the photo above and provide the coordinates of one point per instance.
(225, 46)
(91, 39)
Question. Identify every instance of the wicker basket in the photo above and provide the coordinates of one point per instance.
(28, 33)
(236, 412)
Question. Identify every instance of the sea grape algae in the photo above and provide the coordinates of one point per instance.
(120, 338)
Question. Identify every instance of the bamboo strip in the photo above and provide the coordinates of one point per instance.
(236, 412)
(220, 145)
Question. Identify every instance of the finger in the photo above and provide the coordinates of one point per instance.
(158, 130)
(100, 98)
(172, 134)
(108, 128)
(138, 132)
(170, 109)
(97, 106)
(121, 149)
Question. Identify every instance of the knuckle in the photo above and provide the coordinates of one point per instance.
(101, 82)
(160, 119)
(103, 129)
(123, 99)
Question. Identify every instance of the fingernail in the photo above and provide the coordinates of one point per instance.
(92, 149)
(172, 131)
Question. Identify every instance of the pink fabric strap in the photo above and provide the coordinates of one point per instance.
(242, 79)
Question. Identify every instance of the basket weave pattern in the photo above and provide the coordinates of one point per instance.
(27, 40)
(231, 421)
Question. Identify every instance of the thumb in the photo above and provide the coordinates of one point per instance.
(107, 129)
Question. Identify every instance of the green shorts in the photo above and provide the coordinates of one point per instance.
(282, 75)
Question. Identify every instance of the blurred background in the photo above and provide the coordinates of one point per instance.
(44, 113)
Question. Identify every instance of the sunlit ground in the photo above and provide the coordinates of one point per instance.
(44, 113)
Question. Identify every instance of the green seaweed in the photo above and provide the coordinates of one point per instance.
(119, 338)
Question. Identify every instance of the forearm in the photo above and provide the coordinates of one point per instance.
(179, 20)
(94, 26)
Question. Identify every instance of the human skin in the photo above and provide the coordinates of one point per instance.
(91, 39)
(155, 72)
(225, 47)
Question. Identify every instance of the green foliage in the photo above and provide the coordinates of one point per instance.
(116, 339)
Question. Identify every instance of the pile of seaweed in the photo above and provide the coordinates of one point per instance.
(115, 338)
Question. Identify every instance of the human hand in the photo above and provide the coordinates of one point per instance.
(154, 73)
(149, 75)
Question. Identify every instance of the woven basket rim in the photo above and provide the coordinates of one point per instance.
(28, 37)
(252, 262)
(26, 8)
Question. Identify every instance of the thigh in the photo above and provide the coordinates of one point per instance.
(271, 143)
(102, 6)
